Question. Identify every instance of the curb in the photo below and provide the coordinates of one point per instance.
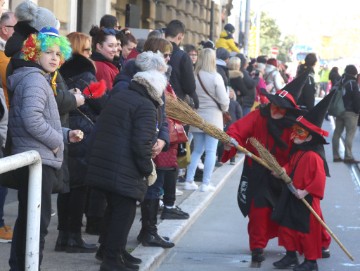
(195, 204)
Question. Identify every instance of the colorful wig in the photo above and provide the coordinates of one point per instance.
(40, 42)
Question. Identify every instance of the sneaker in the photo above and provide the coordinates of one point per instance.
(178, 192)
(173, 213)
(207, 188)
(6, 234)
(191, 186)
(232, 163)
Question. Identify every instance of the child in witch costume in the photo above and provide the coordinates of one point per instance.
(258, 190)
(299, 230)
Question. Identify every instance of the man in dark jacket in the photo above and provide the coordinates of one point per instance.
(182, 77)
(348, 120)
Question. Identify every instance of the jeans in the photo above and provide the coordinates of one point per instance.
(349, 121)
(154, 191)
(202, 142)
(3, 193)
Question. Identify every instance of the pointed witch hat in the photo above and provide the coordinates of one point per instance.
(313, 119)
(288, 95)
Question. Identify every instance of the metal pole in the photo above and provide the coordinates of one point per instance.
(33, 160)
(240, 26)
(212, 20)
(247, 27)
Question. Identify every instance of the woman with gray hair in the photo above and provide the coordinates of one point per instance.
(120, 158)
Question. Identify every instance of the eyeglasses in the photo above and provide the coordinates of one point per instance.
(109, 31)
(9, 26)
(167, 55)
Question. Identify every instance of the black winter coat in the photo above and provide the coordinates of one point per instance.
(79, 72)
(120, 156)
(307, 96)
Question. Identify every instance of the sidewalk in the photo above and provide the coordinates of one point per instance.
(193, 202)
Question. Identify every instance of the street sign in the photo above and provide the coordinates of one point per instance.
(274, 50)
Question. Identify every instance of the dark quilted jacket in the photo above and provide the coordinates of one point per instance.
(124, 135)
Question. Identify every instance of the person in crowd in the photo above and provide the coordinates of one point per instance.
(323, 79)
(7, 22)
(222, 58)
(250, 82)
(34, 124)
(226, 39)
(260, 97)
(207, 44)
(258, 189)
(109, 21)
(192, 52)
(334, 76)
(128, 46)
(104, 49)
(348, 120)
(78, 72)
(273, 79)
(133, 134)
(236, 78)
(299, 230)
(182, 76)
(307, 97)
(213, 100)
(157, 33)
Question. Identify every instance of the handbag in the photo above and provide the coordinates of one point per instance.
(226, 114)
(176, 132)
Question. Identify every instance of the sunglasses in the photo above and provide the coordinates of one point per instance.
(109, 31)
(167, 55)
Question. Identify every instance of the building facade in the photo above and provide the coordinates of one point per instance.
(80, 15)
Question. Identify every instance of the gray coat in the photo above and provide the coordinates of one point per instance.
(3, 120)
(34, 121)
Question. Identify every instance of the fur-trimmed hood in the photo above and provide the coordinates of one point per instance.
(155, 83)
(77, 64)
(235, 73)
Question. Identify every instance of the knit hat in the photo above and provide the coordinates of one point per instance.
(152, 76)
(207, 44)
(313, 119)
(222, 53)
(272, 61)
(351, 69)
(38, 17)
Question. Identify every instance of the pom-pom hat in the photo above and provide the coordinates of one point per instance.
(37, 17)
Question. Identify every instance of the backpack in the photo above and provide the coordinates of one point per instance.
(336, 107)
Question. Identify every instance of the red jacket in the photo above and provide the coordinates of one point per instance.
(107, 71)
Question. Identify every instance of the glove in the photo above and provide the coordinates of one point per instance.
(95, 89)
(196, 101)
(153, 176)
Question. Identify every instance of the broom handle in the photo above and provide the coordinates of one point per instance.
(327, 228)
(288, 181)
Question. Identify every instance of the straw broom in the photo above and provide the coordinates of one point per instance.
(181, 111)
(274, 165)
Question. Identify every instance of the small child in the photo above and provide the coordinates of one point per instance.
(299, 230)
(226, 39)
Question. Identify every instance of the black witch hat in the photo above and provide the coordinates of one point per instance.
(288, 95)
(313, 119)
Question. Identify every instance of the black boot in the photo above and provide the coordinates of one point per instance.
(76, 244)
(130, 258)
(257, 255)
(307, 266)
(150, 237)
(61, 241)
(290, 260)
(114, 265)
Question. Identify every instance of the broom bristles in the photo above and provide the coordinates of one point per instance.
(181, 111)
(270, 160)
